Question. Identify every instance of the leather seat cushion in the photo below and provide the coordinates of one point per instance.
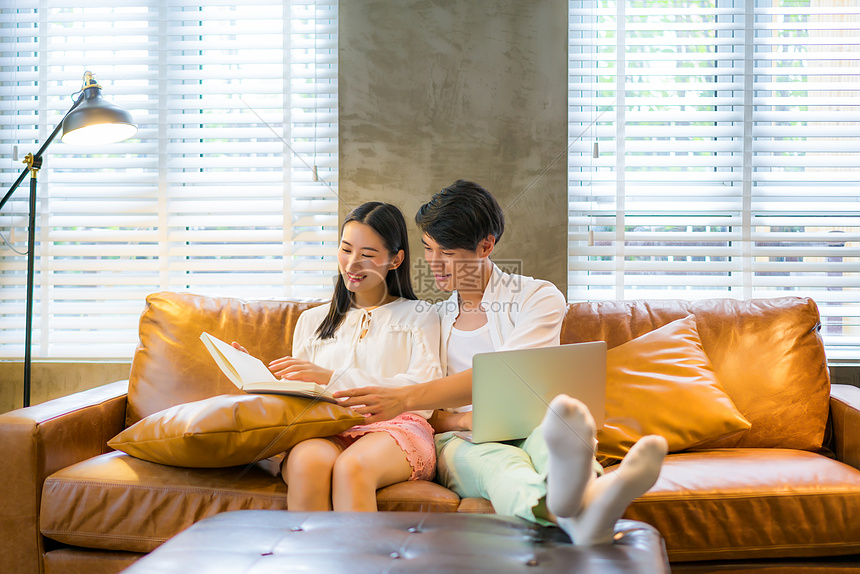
(731, 504)
(117, 502)
(417, 496)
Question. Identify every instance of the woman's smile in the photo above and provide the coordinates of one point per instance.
(355, 277)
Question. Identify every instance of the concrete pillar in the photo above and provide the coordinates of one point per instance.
(431, 92)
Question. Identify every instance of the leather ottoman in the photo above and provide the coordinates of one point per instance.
(258, 541)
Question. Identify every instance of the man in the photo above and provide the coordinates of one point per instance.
(490, 310)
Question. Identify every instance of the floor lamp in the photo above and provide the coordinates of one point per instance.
(90, 121)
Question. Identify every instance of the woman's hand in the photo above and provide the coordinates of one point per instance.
(299, 370)
(240, 347)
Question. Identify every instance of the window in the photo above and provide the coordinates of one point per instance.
(228, 188)
(729, 145)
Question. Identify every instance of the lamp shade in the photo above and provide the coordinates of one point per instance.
(96, 121)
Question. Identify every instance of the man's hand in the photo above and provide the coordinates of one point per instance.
(466, 420)
(376, 403)
(443, 421)
(299, 370)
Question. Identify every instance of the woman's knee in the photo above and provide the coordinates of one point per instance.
(374, 461)
(352, 467)
(311, 458)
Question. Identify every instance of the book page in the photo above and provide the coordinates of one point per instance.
(252, 376)
(241, 368)
(297, 388)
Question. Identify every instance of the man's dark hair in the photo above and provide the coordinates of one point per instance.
(461, 216)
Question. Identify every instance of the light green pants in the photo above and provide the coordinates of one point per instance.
(511, 475)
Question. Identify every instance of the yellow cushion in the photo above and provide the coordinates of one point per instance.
(662, 383)
(230, 430)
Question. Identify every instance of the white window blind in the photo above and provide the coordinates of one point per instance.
(729, 154)
(228, 188)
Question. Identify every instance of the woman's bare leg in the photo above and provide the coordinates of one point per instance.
(373, 461)
(307, 470)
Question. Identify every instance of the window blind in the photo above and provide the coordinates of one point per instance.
(728, 154)
(229, 188)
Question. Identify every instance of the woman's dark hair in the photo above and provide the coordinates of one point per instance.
(461, 216)
(387, 221)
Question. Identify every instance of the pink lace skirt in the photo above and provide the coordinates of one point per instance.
(413, 434)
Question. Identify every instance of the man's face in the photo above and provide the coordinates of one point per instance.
(453, 268)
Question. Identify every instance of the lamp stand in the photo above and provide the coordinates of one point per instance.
(34, 164)
(31, 272)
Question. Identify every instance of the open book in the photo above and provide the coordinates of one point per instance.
(252, 376)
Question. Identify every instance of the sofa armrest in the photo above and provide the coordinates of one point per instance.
(37, 441)
(845, 410)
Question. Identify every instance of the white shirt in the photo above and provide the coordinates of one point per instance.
(464, 345)
(401, 346)
(522, 313)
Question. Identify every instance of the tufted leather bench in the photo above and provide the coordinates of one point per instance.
(259, 541)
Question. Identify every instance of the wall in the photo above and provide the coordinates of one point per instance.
(431, 92)
(52, 379)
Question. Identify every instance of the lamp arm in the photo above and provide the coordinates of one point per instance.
(38, 154)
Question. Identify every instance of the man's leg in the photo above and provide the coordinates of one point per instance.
(500, 472)
(568, 429)
(536, 447)
(587, 507)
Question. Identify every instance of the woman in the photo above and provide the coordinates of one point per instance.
(372, 332)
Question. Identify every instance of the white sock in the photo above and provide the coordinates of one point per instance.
(607, 497)
(568, 429)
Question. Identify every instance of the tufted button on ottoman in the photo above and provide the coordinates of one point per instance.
(261, 541)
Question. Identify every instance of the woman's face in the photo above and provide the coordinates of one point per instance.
(364, 262)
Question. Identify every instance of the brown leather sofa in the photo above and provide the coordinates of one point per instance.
(782, 497)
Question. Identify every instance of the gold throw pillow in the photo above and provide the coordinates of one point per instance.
(230, 430)
(662, 383)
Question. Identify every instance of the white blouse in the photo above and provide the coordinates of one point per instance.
(401, 346)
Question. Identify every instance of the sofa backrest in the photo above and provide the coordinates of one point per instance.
(767, 354)
(171, 365)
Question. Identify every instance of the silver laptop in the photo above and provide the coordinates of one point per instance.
(511, 390)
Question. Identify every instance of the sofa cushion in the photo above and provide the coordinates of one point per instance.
(117, 502)
(171, 366)
(662, 383)
(767, 354)
(417, 496)
(230, 430)
(731, 504)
